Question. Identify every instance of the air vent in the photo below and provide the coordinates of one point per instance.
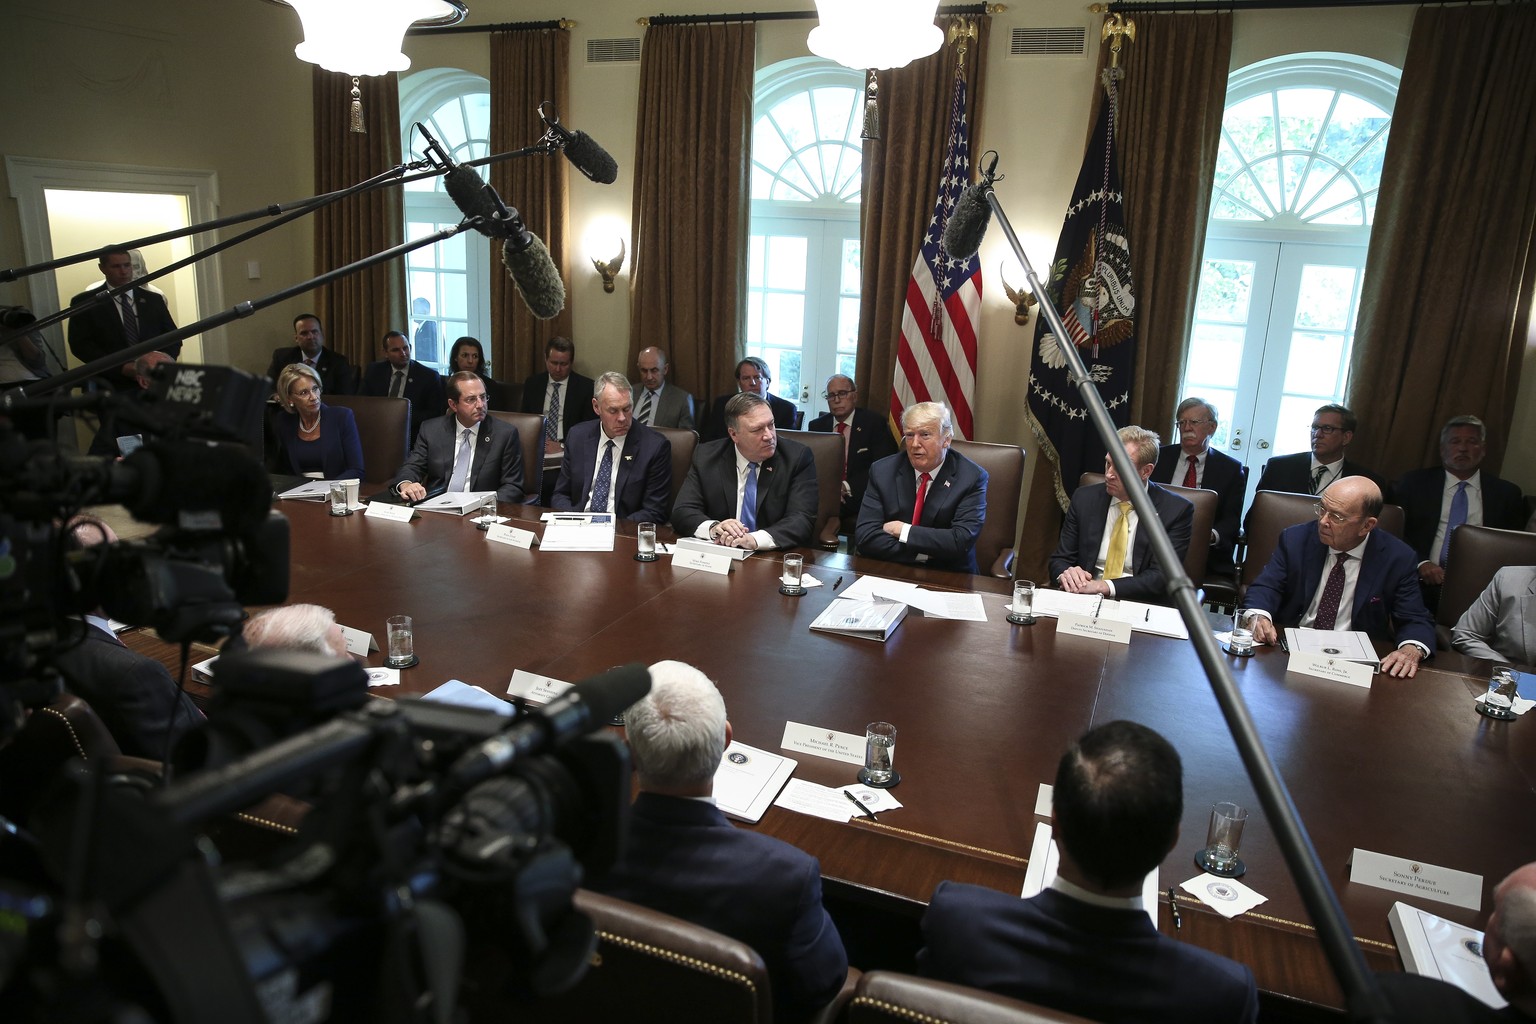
(621, 51)
(1062, 41)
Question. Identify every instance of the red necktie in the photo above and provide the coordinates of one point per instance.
(1328, 607)
(917, 506)
(842, 432)
(1189, 476)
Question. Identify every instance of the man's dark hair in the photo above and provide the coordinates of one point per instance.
(1118, 800)
(565, 345)
(307, 316)
(384, 341)
(454, 380)
(757, 363)
(1348, 417)
(114, 251)
(738, 405)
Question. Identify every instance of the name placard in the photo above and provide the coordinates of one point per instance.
(534, 687)
(1321, 666)
(1416, 878)
(808, 739)
(692, 558)
(359, 642)
(1113, 630)
(394, 513)
(503, 534)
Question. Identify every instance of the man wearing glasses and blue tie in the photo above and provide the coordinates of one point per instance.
(1343, 573)
(464, 450)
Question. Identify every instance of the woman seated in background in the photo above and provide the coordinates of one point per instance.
(468, 355)
(315, 439)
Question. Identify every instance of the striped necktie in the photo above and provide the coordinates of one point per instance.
(130, 319)
(648, 408)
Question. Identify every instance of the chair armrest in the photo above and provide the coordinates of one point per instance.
(1002, 568)
(828, 539)
(833, 1010)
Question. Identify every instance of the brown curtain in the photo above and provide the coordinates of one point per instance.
(901, 180)
(1171, 104)
(356, 310)
(691, 200)
(1446, 305)
(527, 68)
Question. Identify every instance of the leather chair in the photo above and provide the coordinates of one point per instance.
(1477, 552)
(1004, 464)
(829, 452)
(885, 997)
(530, 436)
(1204, 518)
(1274, 511)
(382, 427)
(683, 444)
(504, 395)
(799, 419)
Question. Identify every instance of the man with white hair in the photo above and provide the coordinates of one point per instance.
(685, 859)
(296, 627)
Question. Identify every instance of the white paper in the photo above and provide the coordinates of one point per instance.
(820, 801)
(1044, 798)
(807, 581)
(1349, 644)
(578, 531)
(936, 604)
(876, 800)
(531, 686)
(748, 779)
(359, 642)
(1227, 896)
(1143, 618)
(708, 561)
(385, 510)
(456, 691)
(863, 588)
(383, 676)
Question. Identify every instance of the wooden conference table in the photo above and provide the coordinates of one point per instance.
(983, 712)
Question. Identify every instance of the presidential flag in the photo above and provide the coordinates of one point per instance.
(936, 357)
(1090, 283)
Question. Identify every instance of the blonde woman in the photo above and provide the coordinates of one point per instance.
(316, 439)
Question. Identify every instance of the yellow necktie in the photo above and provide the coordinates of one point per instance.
(1119, 540)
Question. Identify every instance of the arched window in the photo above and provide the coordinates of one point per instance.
(1295, 193)
(803, 265)
(447, 282)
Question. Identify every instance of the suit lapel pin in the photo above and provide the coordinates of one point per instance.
(628, 458)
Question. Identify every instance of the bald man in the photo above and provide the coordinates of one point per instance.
(657, 403)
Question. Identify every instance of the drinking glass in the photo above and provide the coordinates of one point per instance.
(879, 756)
(402, 642)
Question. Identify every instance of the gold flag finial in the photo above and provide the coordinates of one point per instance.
(1117, 27)
(963, 30)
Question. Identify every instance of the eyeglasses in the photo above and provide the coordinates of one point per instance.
(1189, 424)
(833, 396)
(1325, 429)
(1336, 518)
(306, 393)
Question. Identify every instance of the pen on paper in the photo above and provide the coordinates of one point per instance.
(838, 583)
(862, 809)
(1149, 615)
(1097, 608)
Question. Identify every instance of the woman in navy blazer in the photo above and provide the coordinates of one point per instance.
(314, 437)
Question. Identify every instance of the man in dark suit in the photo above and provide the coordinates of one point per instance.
(866, 440)
(750, 489)
(106, 327)
(657, 403)
(397, 375)
(465, 450)
(1344, 573)
(561, 396)
(926, 506)
(1101, 550)
(685, 859)
(1194, 463)
(1085, 944)
(633, 477)
(752, 377)
(1333, 428)
(1455, 493)
(335, 369)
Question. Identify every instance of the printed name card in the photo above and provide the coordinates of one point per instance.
(1321, 666)
(692, 558)
(839, 746)
(1416, 878)
(503, 534)
(359, 642)
(531, 686)
(1113, 630)
(394, 513)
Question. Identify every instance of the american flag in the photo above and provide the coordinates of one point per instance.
(936, 358)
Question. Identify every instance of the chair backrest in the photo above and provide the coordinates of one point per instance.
(504, 395)
(530, 436)
(683, 444)
(885, 997)
(1477, 552)
(799, 419)
(651, 967)
(383, 428)
(829, 451)
(1274, 511)
(1205, 502)
(1004, 464)
(54, 734)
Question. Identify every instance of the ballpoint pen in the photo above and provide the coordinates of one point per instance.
(862, 809)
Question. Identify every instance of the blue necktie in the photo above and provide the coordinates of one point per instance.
(1458, 518)
(599, 502)
(749, 498)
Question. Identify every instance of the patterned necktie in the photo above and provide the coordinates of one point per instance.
(130, 320)
(1458, 518)
(922, 493)
(552, 418)
(1119, 543)
(749, 498)
(460, 480)
(1328, 607)
(397, 384)
(604, 482)
(842, 431)
(648, 408)
(1317, 479)
(1190, 479)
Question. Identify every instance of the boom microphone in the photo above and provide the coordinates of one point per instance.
(590, 158)
(534, 274)
(972, 213)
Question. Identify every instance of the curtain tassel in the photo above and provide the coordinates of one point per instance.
(355, 115)
(871, 110)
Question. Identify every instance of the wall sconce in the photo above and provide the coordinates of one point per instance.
(608, 268)
(1021, 299)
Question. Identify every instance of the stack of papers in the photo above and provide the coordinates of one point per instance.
(935, 604)
(1437, 948)
(578, 531)
(1344, 644)
(456, 502)
(748, 779)
(1144, 618)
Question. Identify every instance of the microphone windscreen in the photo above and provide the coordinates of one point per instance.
(610, 693)
(534, 273)
(591, 159)
(968, 222)
(473, 197)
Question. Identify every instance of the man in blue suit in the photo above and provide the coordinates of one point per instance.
(1194, 463)
(633, 478)
(1344, 573)
(1086, 944)
(685, 859)
(397, 375)
(924, 507)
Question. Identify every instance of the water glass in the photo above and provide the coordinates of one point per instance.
(1223, 840)
(338, 497)
(879, 756)
(794, 569)
(1242, 633)
(646, 538)
(402, 642)
(1500, 701)
(1022, 611)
